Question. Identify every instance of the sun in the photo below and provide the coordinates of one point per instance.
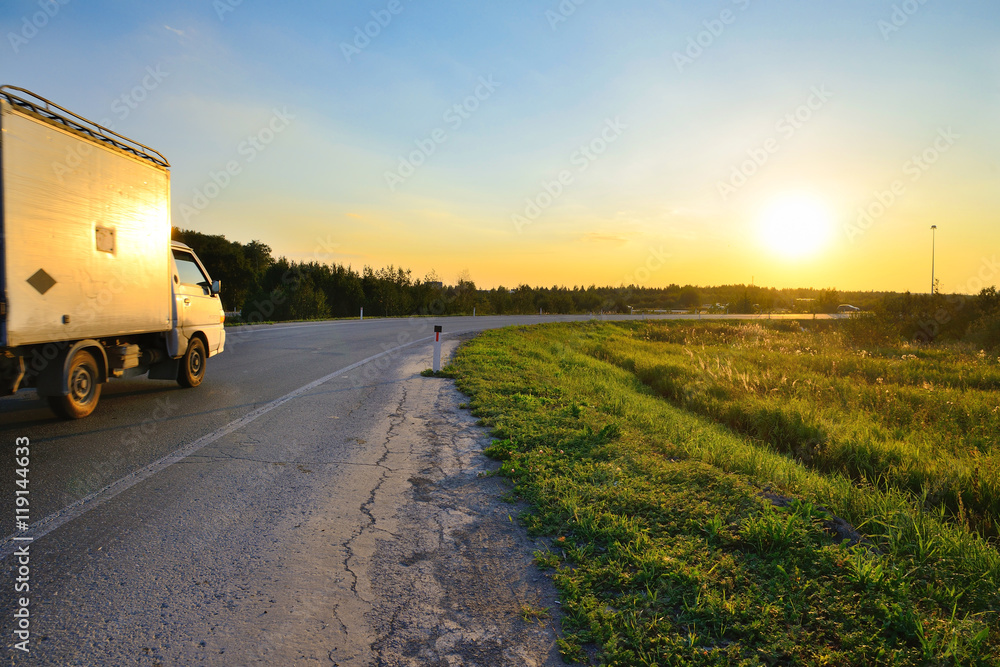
(796, 226)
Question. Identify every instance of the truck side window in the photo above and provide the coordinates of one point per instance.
(189, 271)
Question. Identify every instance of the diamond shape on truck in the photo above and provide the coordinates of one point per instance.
(41, 281)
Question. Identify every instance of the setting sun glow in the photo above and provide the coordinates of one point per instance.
(796, 226)
(795, 144)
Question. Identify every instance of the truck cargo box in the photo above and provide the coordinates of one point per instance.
(86, 232)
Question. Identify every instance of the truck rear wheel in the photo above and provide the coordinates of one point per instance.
(192, 370)
(84, 388)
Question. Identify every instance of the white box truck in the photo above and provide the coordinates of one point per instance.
(93, 288)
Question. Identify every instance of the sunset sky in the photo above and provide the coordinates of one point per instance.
(795, 144)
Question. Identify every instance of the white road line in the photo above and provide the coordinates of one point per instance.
(41, 528)
(255, 328)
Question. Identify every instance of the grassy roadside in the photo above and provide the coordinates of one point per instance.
(923, 420)
(668, 545)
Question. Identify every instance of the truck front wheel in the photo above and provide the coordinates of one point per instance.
(84, 388)
(192, 370)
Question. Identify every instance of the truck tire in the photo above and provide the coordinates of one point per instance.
(84, 388)
(192, 370)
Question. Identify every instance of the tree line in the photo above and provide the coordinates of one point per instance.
(261, 288)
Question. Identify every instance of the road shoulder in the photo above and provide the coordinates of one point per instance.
(455, 583)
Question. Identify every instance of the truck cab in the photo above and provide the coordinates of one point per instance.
(197, 308)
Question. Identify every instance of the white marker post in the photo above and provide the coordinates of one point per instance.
(437, 349)
(362, 313)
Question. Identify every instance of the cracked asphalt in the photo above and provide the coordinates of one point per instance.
(349, 525)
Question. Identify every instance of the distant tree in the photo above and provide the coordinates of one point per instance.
(743, 304)
(559, 301)
(305, 302)
(988, 301)
(225, 260)
(501, 302)
(258, 256)
(766, 301)
(689, 297)
(984, 331)
(525, 300)
(828, 301)
(463, 295)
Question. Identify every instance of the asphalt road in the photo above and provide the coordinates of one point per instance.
(314, 501)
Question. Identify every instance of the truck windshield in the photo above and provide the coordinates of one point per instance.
(188, 270)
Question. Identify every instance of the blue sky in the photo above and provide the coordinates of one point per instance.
(670, 138)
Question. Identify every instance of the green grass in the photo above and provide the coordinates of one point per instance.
(663, 546)
(923, 420)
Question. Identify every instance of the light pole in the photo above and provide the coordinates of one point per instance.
(933, 232)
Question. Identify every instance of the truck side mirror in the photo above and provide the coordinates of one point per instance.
(216, 287)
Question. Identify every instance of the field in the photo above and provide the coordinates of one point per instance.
(752, 493)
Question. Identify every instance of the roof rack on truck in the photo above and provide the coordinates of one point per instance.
(53, 113)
